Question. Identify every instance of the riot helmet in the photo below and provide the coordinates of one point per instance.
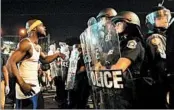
(158, 18)
(107, 12)
(129, 24)
(127, 16)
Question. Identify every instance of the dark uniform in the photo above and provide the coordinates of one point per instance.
(170, 62)
(131, 47)
(157, 65)
(61, 93)
(156, 56)
(136, 55)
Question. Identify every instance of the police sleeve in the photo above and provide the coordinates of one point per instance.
(131, 53)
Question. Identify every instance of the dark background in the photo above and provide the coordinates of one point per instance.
(66, 19)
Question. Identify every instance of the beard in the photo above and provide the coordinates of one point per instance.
(41, 35)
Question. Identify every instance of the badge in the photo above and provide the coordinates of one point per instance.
(110, 52)
(132, 44)
(156, 41)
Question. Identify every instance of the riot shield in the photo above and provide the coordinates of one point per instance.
(101, 50)
(64, 48)
(73, 60)
(53, 67)
(62, 71)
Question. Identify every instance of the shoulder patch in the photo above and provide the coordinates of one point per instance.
(132, 44)
(155, 41)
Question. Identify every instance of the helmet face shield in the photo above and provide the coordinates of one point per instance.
(152, 17)
(164, 12)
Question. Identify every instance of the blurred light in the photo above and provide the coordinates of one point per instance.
(22, 33)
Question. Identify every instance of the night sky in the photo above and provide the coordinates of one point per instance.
(66, 18)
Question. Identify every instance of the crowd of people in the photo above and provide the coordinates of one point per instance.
(114, 63)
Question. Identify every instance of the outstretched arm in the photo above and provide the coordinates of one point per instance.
(49, 58)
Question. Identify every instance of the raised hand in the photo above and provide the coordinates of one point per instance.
(62, 55)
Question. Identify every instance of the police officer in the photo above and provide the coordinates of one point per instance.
(157, 22)
(78, 96)
(93, 43)
(106, 14)
(127, 25)
(62, 71)
(103, 18)
(170, 63)
(100, 50)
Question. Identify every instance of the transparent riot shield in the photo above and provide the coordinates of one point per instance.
(85, 45)
(64, 48)
(73, 60)
(53, 67)
(101, 50)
